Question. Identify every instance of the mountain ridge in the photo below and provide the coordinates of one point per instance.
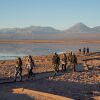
(78, 30)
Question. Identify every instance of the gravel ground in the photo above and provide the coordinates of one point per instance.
(77, 85)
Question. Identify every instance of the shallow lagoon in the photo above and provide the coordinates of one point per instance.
(11, 51)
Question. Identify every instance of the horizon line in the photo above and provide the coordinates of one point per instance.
(22, 27)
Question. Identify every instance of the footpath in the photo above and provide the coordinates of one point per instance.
(37, 76)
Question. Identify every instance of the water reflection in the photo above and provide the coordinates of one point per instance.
(10, 51)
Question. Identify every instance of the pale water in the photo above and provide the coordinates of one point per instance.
(11, 51)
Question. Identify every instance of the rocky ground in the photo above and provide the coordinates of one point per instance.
(87, 77)
(84, 85)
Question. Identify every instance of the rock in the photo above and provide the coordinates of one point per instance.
(79, 67)
(90, 67)
(85, 68)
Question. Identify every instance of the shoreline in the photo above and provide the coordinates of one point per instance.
(47, 60)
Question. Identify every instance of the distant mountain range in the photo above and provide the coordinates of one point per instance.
(82, 28)
(77, 31)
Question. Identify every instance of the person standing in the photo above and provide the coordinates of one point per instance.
(18, 69)
(84, 50)
(88, 50)
(74, 62)
(69, 60)
(30, 64)
(64, 62)
(56, 62)
(79, 51)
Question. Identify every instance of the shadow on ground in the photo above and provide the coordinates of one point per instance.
(15, 96)
(77, 91)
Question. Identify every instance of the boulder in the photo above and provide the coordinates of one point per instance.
(79, 67)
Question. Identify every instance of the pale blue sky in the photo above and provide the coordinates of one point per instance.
(60, 14)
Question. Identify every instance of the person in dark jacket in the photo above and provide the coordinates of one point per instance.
(74, 61)
(84, 50)
(79, 51)
(88, 50)
(69, 62)
(56, 62)
(64, 62)
(30, 64)
(18, 69)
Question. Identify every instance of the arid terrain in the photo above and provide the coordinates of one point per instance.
(63, 39)
(70, 41)
(79, 85)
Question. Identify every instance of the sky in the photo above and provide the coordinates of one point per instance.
(60, 14)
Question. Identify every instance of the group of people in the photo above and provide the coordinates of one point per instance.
(84, 51)
(29, 65)
(65, 62)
